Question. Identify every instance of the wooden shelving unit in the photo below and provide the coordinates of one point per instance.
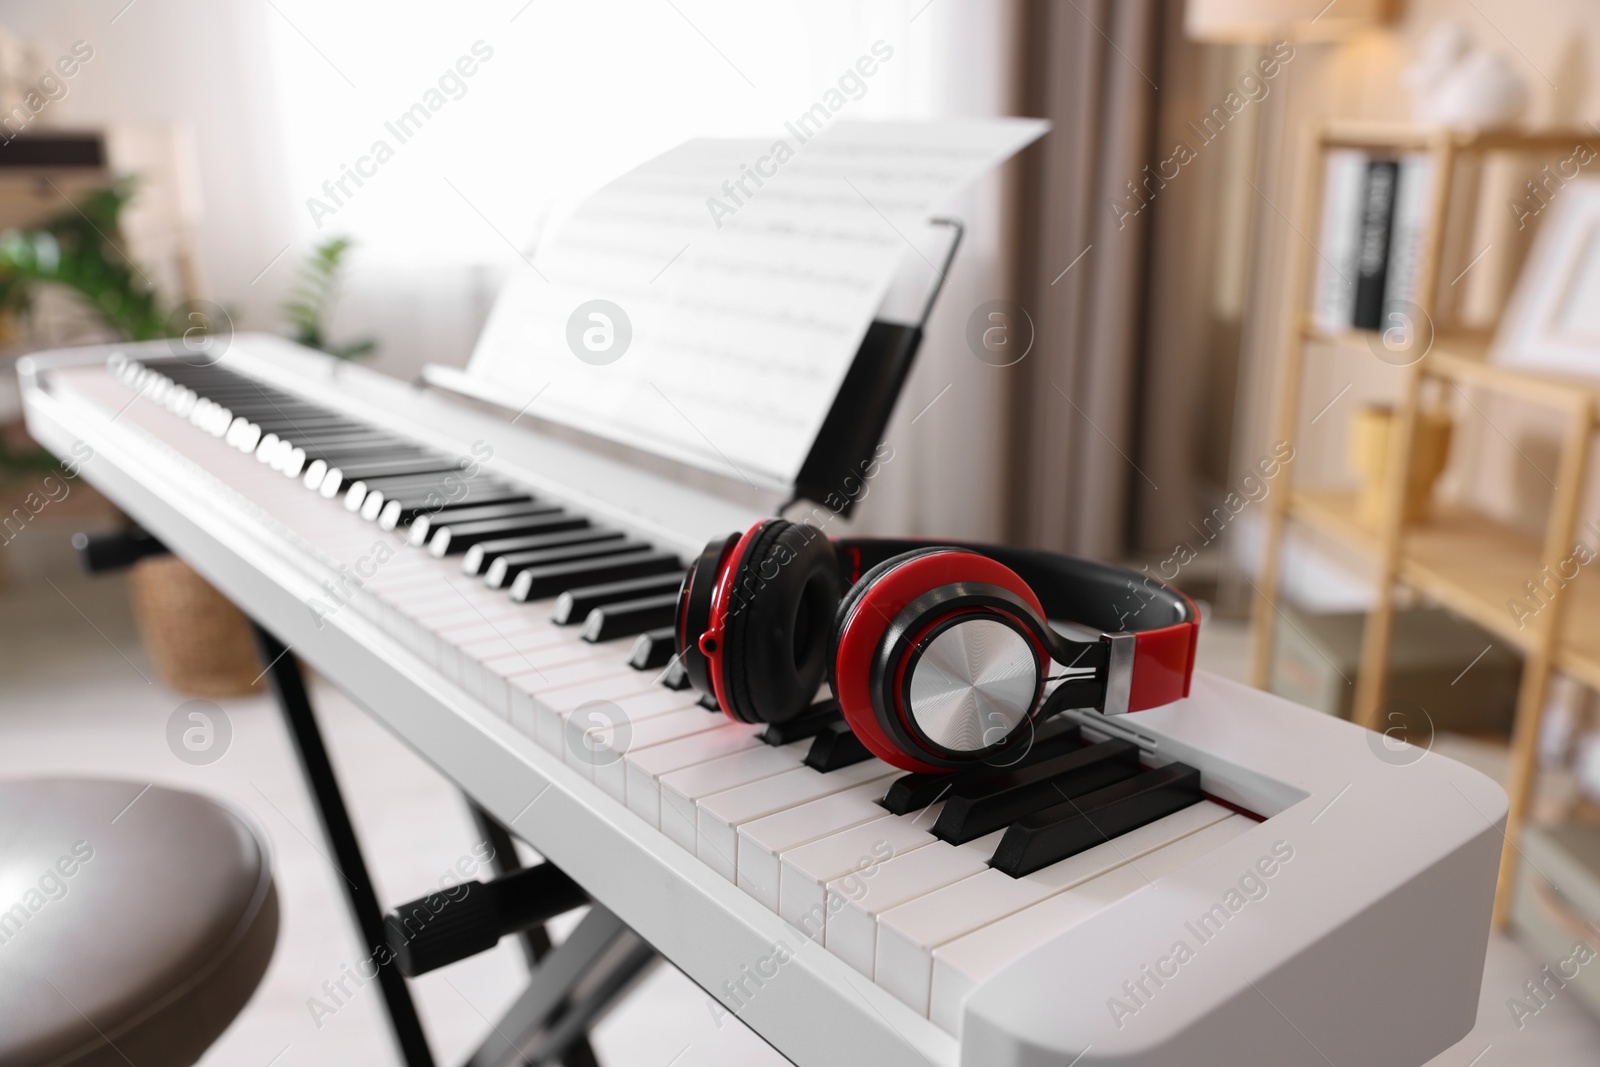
(1463, 559)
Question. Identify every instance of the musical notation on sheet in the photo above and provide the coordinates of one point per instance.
(707, 304)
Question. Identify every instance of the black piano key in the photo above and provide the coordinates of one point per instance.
(574, 605)
(454, 538)
(406, 512)
(334, 478)
(423, 525)
(312, 428)
(403, 466)
(835, 747)
(543, 582)
(323, 430)
(335, 448)
(307, 419)
(630, 617)
(399, 484)
(653, 649)
(504, 571)
(676, 677)
(222, 392)
(409, 501)
(278, 414)
(423, 491)
(481, 556)
(246, 390)
(406, 479)
(379, 468)
(319, 461)
(1074, 826)
(817, 718)
(976, 808)
(915, 791)
(708, 701)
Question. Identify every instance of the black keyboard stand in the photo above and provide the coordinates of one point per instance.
(289, 689)
(549, 1023)
(536, 948)
(572, 984)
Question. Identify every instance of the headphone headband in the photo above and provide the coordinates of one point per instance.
(1151, 628)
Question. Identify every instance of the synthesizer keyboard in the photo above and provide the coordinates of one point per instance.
(1228, 879)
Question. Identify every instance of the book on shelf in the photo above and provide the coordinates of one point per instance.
(1372, 257)
(1372, 214)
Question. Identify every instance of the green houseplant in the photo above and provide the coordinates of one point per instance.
(311, 299)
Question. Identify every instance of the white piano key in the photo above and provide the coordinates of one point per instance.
(909, 934)
(501, 641)
(807, 870)
(961, 965)
(493, 677)
(533, 717)
(849, 925)
(514, 657)
(719, 816)
(643, 767)
(759, 844)
(552, 707)
(456, 607)
(634, 723)
(486, 640)
(652, 732)
(567, 672)
(681, 791)
(444, 612)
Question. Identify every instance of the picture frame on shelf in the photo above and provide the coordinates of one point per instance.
(1552, 322)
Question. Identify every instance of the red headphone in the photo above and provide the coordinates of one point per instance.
(938, 654)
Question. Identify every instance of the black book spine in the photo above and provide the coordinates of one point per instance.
(1372, 262)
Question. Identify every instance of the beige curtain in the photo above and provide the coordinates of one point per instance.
(1089, 67)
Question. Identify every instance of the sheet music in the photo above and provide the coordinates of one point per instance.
(746, 273)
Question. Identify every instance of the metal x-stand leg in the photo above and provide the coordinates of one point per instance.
(571, 985)
(535, 940)
(575, 983)
(289, 686)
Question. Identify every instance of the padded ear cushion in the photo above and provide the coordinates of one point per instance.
(853, 596)
(775, 634)
(693, 613)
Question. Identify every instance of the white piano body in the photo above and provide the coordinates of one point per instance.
(1348, 927)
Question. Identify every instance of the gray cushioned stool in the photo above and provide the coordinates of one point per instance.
(133, 928)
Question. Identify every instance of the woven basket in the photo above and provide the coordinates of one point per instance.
(198, 641)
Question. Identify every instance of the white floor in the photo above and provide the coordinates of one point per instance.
(72, 704)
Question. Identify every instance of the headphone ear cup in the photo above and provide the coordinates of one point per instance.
(694, 610)
(847, 607)
(860, 629)
(776, 631)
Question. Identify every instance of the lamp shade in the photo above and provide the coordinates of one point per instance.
(1264, 20)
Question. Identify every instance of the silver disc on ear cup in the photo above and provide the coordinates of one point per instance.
(972, 685)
